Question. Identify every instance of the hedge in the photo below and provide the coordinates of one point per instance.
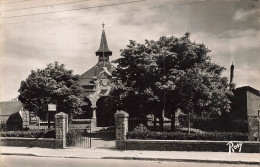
(218, 136)
(29, 134)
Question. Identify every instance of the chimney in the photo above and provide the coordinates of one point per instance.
(231, 74)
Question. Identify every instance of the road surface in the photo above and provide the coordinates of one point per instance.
(31, 161)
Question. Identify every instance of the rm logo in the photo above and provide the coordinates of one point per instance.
(232, 147)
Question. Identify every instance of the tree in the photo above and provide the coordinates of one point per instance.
(54, 84)
(173, 73)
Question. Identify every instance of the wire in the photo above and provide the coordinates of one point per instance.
(15, 1)
(114, 4)
(43, 6)
(169, 5)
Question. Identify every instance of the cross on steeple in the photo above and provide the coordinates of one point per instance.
(103, 25)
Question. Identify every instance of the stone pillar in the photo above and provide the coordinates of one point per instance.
(121, 126)
(61, 128)
(253, 128)
(94, 118)
(94, 112)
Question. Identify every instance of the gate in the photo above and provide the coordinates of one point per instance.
(79, 135)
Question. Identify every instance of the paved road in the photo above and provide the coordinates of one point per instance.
(29, 161)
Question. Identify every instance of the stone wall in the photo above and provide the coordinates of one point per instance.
(61, 128)
(31, 142)
(188, 145)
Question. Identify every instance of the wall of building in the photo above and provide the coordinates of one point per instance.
(239, 105)
(253, 104)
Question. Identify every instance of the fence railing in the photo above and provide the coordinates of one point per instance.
(19, 126)
(189, 124)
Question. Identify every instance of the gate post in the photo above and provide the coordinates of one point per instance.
(61, 128)
(121, 126)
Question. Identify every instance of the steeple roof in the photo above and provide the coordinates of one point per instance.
(103, 48)
(87, 79)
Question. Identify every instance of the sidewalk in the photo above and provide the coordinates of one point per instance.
(110, 153)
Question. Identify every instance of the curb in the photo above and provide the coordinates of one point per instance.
(19, 154)
(141, 159)
(185, 160)
(56, 156)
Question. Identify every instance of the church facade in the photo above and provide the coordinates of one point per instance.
(97, 83)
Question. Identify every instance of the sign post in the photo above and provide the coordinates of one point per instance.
(51, 108)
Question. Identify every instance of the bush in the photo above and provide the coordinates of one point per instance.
(140, 128)
(29, 134)
(218, 136)
(3, 127)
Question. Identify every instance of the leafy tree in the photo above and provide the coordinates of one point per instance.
(54, 84)
(169, 74)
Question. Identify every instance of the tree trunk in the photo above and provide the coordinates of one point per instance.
(161, 121)
(70, 118)
(173, 121)
(49, 120)
(154, 122)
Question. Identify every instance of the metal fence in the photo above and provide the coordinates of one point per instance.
(19, 126)
(189, 124)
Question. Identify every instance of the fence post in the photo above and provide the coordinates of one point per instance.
(61, 128)
(121, 126)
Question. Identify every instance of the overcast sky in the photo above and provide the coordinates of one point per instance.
(71, 35)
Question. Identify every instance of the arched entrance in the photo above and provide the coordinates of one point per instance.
(86, 110)
(105, 111)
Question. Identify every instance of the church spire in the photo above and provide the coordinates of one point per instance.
(103, 51)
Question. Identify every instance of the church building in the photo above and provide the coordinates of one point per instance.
(97, 83)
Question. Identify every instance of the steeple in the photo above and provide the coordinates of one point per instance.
(103, 51)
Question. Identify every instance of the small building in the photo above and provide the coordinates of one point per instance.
(246, 106)
(13, 116)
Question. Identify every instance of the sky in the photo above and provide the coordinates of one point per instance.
(34, 33)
